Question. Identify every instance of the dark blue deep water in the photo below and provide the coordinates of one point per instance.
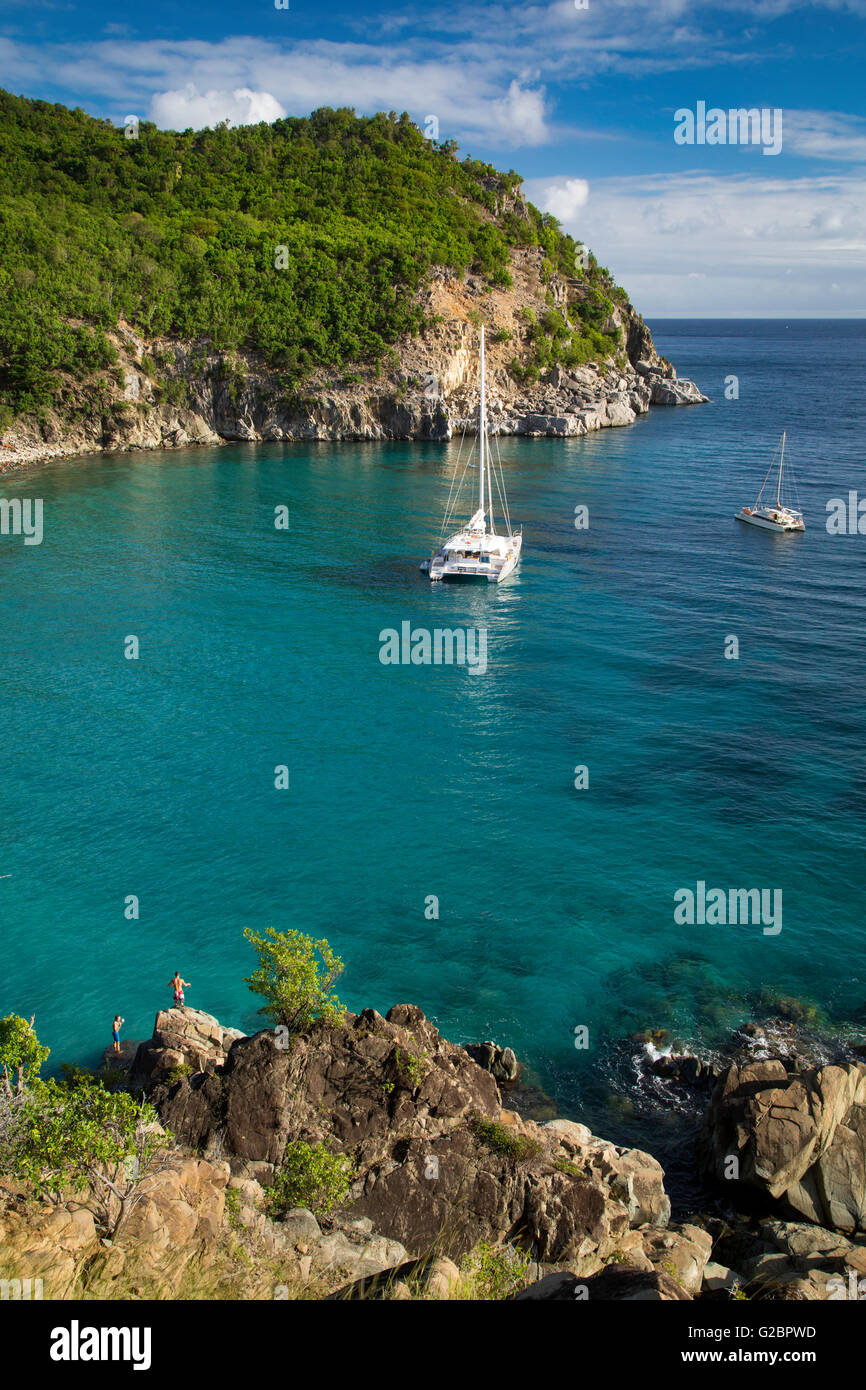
(258, 647)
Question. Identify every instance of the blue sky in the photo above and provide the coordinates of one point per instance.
(581, 101)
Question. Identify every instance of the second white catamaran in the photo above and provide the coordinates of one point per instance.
(477, 551)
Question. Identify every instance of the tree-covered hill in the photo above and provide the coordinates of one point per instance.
(306, 239)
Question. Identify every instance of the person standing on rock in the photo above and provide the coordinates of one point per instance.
(115, 1031)
(177, 984)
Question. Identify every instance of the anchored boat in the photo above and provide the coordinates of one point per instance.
(778, 517)
(478, 551)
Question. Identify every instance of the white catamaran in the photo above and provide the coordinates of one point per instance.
(778, 517)
(477, 551)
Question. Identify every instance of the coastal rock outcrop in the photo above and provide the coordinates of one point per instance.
(442, 1177)
(499, 1061)
(426, 390)
(177, 1218)
(438, 1162)
(355, 1086)
(798, 1137)
(182, 1038)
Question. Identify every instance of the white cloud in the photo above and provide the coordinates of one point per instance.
(192, 82)
(826, 135)
(482, 68)
(565, 199)
(188, 107)
(736, 246)
(521, 114)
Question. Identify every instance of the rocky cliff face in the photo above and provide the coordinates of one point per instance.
(442, 1170)
(170, 394)
(171, 1228)
(439, 1163)
(796, 1135)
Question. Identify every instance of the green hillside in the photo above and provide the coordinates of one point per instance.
(178, 233)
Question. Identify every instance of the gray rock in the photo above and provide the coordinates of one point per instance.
(182, 1037)
(797, 1136)
(681, 1252)
(300, 1225)
(499, 1061)
(675, 393)
(720, 1279)
(360, 1259)
(553, 1288)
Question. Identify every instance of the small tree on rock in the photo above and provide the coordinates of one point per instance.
(295, 976)
(21, 1052)
(99, 1144)
(310, 1176)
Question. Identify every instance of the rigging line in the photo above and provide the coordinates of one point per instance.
(448, 505)
(449, 514)
(454, 474)
(500, 488)
(764, 483)
(793, 480)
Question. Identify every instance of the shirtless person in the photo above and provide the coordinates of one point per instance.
(115, 1031)
(177, 984)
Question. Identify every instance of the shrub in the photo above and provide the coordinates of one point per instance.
(413, 1067)
(562, 1165)
(79, 1135)
(310, 1176)
(179, 1072)
(493, 1272)
(295, 976)
(21, 1053)
(507, 1141)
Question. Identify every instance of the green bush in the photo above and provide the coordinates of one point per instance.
(179, 1073)
(310, 1176)
(413, 1067)
(77, 1134)
(562, 1165)
(21, 1052)
(507, 1141)
(295, 976)
(493, 1272)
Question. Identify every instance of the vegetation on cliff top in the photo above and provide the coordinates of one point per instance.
(180, 234)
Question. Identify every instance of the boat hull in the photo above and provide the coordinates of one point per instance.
(466, 572)
(766, 524)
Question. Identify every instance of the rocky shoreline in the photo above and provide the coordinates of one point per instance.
(167, 394)
(441, 1169)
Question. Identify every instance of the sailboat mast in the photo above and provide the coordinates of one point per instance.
(482, 430)
(781, 461)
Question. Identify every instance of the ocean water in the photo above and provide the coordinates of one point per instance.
(259, 648)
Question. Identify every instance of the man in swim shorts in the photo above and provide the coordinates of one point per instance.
(115, 1031)
(177, 984)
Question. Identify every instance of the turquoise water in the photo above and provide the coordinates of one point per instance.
(258, 647)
